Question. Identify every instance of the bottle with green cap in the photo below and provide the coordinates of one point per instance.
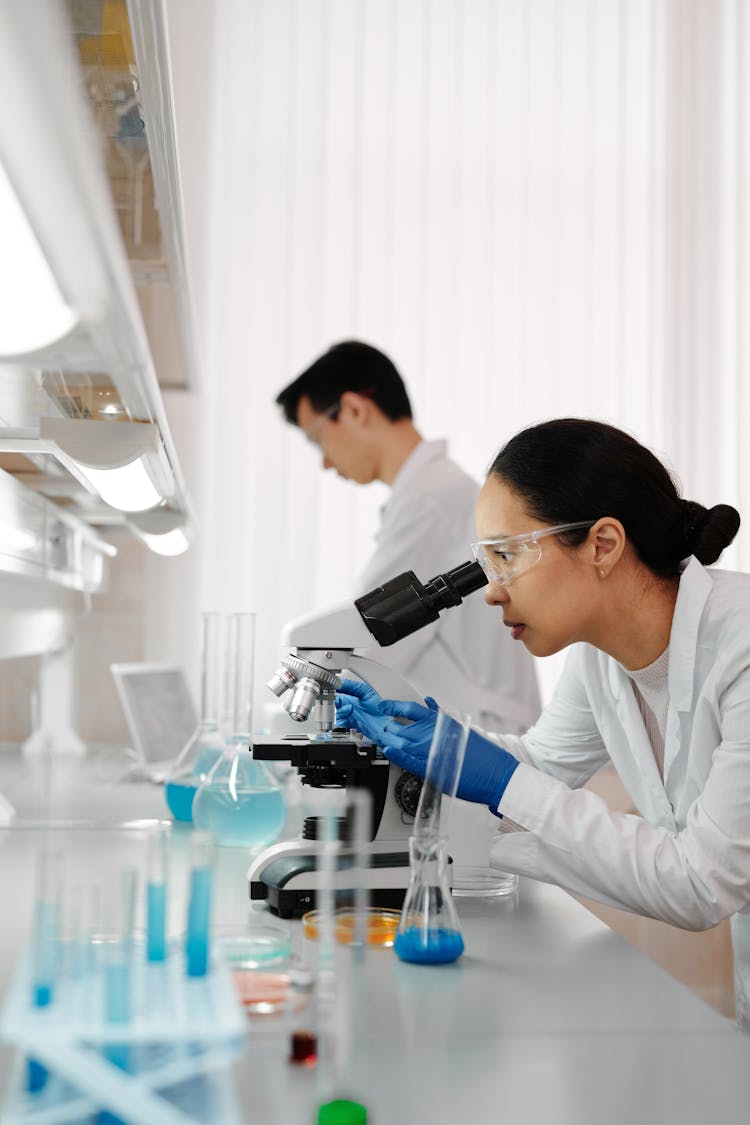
(342, 1112)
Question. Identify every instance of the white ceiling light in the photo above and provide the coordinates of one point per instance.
(165, 530)
(35, 313)
(124, 462)
(172, 543)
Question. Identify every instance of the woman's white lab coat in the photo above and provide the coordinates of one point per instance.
(686, 858)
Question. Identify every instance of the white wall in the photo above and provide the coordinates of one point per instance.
(537, 207)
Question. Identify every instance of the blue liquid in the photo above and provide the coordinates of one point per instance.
(36, 1076)
(156, 922)
(199, 917)
(433, 947)
(253, 820)
(179, 795)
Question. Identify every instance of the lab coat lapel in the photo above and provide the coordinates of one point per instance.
(695, 586)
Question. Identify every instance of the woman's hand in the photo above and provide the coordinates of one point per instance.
(487, 767)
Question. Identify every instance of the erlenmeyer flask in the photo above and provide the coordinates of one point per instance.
(428, 932)
(239, 801)
(204, 747)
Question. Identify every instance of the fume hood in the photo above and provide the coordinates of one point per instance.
(93, 285)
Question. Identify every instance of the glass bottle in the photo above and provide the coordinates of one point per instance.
(239, 801)
(205, 745)
(429, 931)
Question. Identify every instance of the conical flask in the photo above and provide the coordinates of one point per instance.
(429, 931)
(204, 747)
(239, 801)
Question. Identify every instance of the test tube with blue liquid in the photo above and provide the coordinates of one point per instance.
(156, 894)
(197, 951)
(429, 931)
(46, 945)
(117, 905)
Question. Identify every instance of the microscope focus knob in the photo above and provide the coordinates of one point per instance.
(406, 791)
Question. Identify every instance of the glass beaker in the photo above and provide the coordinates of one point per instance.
(428, 932)
(239, 801)
(205, 746)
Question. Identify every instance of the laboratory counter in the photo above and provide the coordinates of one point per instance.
(548, 1017)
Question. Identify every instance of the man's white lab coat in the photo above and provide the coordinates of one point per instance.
(686, 858)
(466, 659)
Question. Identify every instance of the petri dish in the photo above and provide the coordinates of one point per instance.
(380, 931)
(482, 882)
(265, 945)
(263, 992)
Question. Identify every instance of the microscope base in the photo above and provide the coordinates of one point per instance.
(286, 877)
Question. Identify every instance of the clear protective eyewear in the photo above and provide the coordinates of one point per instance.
(503, 559)
(313, 430)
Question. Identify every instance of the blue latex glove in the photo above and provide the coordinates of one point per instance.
(487, 767)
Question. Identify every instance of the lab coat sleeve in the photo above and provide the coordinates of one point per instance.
(692, 878)
(565, 741)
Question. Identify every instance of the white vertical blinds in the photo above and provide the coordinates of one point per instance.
(537, 207)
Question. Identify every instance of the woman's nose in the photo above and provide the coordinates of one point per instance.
(496, 594)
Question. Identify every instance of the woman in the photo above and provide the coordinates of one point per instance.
(586, 543)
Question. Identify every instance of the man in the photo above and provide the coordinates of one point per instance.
(353, 404)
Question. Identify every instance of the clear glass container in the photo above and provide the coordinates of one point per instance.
(205, 746)
(429, 931)
(239, 801)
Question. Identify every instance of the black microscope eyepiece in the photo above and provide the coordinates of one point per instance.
(404, 604)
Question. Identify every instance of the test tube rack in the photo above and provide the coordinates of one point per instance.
(183, 1033)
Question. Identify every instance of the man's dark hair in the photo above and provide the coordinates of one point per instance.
(348, 366)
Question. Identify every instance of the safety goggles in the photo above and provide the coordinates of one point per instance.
(312, 433)
(505, 558)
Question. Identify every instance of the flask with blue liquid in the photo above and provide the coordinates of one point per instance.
(429, 932)
(206, 745)
(239, 801)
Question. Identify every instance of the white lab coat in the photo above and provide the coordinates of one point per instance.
(467, 659)
(686, 858)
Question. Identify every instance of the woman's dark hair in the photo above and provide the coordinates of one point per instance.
(348, 366)
(572, 469)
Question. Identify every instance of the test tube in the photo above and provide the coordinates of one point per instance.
(45, 945)
(343, 1003)
(444, 762)
(202, 854)
(117, 903)
(156, 894)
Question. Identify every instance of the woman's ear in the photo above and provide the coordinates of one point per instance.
(607, 540)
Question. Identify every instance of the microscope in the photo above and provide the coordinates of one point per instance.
(321, 647)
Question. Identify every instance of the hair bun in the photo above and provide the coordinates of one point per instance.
(707, 531)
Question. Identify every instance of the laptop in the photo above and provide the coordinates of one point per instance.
(159, 711)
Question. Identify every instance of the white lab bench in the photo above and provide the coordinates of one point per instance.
(549, 1018)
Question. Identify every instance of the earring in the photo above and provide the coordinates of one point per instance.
(602, 573)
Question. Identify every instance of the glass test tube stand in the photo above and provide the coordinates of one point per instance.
(162, 1065)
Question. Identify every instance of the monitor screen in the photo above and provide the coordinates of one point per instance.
(158, 707)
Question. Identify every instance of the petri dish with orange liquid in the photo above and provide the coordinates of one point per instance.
(381, 926)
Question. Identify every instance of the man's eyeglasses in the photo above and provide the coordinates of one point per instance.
(313, 430)
(312, 433)
(505, 558)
